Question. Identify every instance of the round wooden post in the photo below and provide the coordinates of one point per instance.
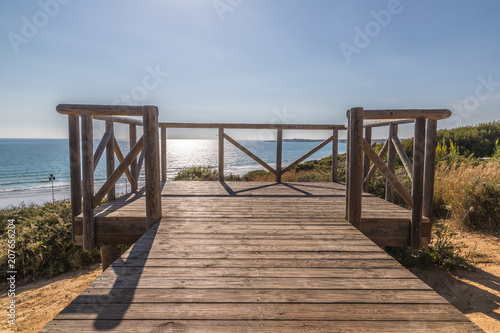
(221, 153)
(108, 255)
(75, 169)
(430, 166)
(335, 158)
(134, 170)
(110, 157)
(163, 154)
(152, 165)
(391, 162)
(279, 153)
(88, 182)
(355, 166)
(418, 181)
(366, 160)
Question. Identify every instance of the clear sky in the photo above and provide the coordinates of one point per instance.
(259, 61)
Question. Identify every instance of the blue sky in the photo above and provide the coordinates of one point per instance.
(259, 61)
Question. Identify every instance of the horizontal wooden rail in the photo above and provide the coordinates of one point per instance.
(121, 120)
(253, 126)
(435, 114)
(383, 122)
(101, 110)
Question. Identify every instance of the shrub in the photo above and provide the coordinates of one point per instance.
(44, 247)
(197, 173)
(470, 193)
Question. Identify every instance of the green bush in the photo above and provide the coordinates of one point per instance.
(44, 247)
(197, 173)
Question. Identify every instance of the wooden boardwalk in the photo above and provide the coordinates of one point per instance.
(256, 257)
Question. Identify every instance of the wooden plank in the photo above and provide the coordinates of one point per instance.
(373, 169)
(391, 177)
(120, 169)
(160, 295)
(293, 326)
(309, 153)
(100, 148)
(119, 155)
(152, 165)
(110, 158)
(275, 311)
(221, 154)
(435, 114)
(249, 153)
(418, 182)
(402, 155)
(391, 163)
(88, 182)
(279, 153)
(75, 169)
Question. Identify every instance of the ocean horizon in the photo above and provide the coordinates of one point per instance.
(26, 164)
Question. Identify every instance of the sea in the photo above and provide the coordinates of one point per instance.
(37, 170)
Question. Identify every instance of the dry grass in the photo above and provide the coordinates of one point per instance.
(470, 193)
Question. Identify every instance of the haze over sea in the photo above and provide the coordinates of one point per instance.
(26, 164)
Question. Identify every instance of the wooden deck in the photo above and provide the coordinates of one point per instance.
(256, 257)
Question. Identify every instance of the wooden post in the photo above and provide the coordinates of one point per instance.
(279, 153)
(108, 255)
(152, 165)
(391, 162)
(366, 161)
(418, 180)
(88, 182)
(75, 169)
(347, 167)
(110, 157)
(429, 167)
(132, 131)
(221, 153)
(355, 166)
(335, 156)
(163, 154)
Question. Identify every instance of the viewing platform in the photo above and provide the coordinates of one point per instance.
(254, 256)
(257, 257)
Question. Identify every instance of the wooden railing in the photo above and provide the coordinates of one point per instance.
(278, 171)
(421, 172)
(84, 199)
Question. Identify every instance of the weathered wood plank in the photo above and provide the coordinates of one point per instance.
(88, 182)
